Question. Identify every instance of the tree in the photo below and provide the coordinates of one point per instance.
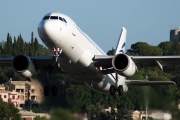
(62, 114)
(144, 49)
(8, 111)
(40, 118)
(175, 48)
(36, 46)
(165, 46)
(9, 44)
(111, 52)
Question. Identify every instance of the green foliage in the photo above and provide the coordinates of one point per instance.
(40, 118)
(62, 114)
(37, 110)
(175, 48)
(165, 46)
(111, 52)
(144, 49)
(8, 111)
(77, 97)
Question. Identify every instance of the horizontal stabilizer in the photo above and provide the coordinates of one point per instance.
(148, 83)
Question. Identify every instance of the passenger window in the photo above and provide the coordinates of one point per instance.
(46, 17)
(54, 17)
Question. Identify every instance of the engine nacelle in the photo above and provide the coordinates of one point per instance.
(123, 65)
(23, 66)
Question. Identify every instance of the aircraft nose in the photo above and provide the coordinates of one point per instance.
(41, 29)
(48, 30)
(45, 28)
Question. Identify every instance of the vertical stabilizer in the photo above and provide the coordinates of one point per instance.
(120, 48)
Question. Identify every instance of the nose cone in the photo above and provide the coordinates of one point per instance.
(50, 32)
(48, 29)
(41, 29)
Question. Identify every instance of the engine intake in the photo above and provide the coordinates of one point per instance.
(123, 65)
(23, 66)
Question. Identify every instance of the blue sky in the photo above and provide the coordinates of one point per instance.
(145, 21)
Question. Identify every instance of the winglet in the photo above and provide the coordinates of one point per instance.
(120, 48)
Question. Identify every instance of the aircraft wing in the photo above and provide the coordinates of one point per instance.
(105, 61)
(148, 83)
(38, 61)
(147, 61)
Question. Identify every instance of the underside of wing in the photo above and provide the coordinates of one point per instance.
(105, 61)
(38, 61)
(149, 61)
(6, 62)
(148, 83)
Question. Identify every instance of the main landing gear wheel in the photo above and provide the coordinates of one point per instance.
(113, 90)
(52, 89)
(120, 90)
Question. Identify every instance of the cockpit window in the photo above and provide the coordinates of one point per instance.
(60, 18)
(64, 20)
(54, 17)
(46, 17)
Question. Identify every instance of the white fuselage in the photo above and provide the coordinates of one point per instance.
(59, 31)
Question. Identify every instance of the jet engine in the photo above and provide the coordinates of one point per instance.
(23, 66)
(123, 65)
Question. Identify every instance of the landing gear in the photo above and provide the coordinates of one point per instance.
(114, 89)
(53, 90)
(57, 52)
(120, 90)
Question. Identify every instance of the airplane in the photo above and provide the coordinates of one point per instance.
(76, 54)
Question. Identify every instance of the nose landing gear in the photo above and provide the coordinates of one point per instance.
(52, 89)
(57, 52)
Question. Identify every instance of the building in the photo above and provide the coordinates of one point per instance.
(28, 95)
(10, 97)
(2, 87)
(28, 115)
(18, 87)
(175, 34)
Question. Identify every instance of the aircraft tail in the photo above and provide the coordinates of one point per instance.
(120, 48)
